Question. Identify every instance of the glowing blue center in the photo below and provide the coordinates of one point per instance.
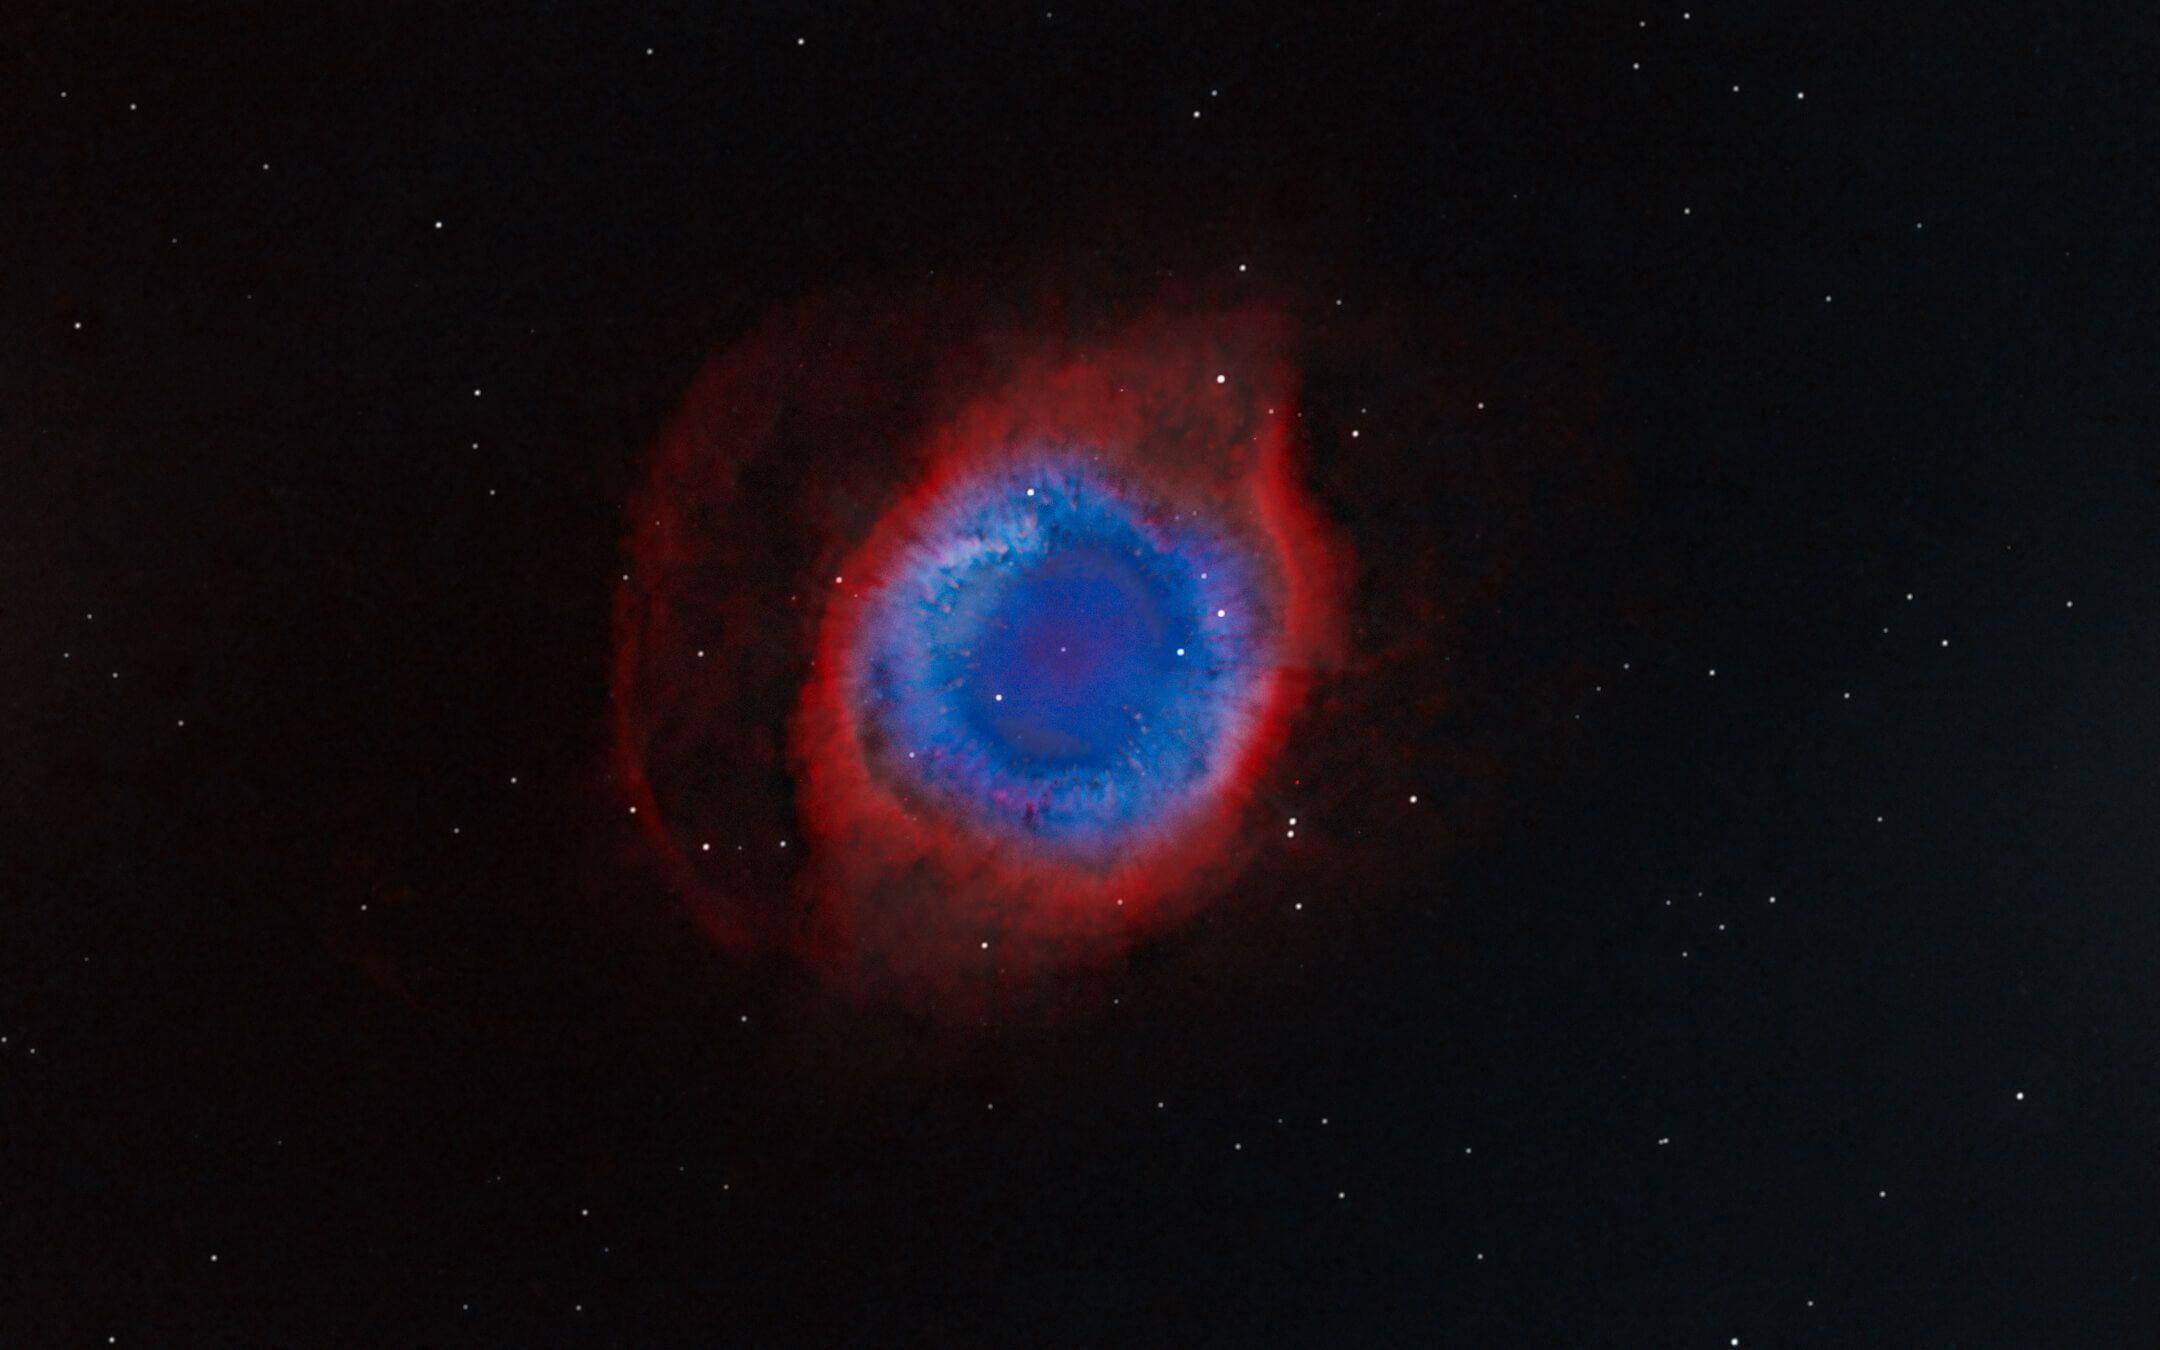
(1076, 651)
(1054, 657)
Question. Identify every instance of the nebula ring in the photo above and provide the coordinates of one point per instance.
(1036, 632)
(1058, 662)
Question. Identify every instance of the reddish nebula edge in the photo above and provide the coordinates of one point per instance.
(805, 464)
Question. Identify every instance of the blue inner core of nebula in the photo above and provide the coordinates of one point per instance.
(1084, 640)
(1054, 658)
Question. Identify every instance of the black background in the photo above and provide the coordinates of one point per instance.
(287, 607)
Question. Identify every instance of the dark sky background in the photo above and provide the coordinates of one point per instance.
(316, 1029)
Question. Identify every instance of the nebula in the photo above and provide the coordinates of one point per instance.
(963, 629)
(1049, 677)
(1048, 664)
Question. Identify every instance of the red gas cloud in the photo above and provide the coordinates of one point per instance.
(798, 464)
(803, 457)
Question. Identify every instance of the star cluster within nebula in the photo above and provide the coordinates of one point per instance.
(951, 659)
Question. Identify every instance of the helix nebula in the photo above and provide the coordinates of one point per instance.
(1047, 680)
(960, 637)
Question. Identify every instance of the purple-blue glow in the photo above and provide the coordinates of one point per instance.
(1055, 657)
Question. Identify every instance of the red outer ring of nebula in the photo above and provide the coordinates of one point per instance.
(882, 899)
